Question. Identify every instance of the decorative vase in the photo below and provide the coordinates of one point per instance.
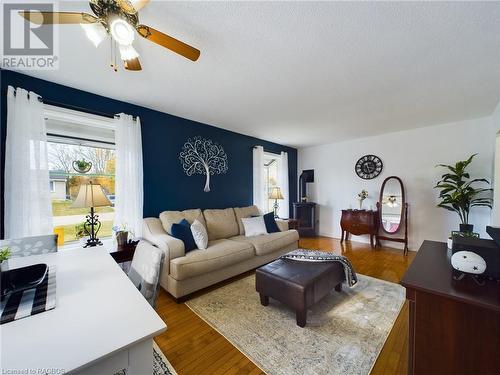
(121, 238)
(466, 228)
(360, 204)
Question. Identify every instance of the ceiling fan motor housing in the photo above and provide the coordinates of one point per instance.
(106, 10)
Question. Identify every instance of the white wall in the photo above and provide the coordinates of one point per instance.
(410, 155)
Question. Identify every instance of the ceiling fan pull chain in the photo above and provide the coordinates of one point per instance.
(111, 52)
(113, 64)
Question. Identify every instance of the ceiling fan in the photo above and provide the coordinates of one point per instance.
(120, 19)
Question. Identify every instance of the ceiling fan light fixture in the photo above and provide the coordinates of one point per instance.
(123, 33)
(95, 32)
(127, 52)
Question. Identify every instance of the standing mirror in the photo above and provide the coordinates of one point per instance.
(393, 211)
(392, 199)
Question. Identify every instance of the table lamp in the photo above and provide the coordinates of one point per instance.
(275, 194)
(90, 196)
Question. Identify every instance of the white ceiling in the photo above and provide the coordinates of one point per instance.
(304, 73)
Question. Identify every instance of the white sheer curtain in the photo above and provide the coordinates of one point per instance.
(28, 210)
(259, 187)
(128, 185)
(284, 205)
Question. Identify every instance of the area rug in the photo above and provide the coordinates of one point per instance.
(345, 331)
(161, 365)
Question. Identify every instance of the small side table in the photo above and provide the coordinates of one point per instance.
(124, 253)
(293, 224)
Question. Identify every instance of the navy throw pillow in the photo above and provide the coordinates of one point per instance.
(182, 231)
(271, 225)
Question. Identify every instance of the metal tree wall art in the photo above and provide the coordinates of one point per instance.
(203, 156)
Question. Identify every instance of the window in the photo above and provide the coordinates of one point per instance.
(271, 163)
(80, 150)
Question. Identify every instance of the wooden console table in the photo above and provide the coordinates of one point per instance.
(454, 325)
(359, 222)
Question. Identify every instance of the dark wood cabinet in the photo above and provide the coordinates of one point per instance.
(359, 222)
(454, 324)
(306, 216)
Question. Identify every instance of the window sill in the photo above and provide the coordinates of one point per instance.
(108, 244)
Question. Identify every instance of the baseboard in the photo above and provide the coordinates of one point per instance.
(353, 238)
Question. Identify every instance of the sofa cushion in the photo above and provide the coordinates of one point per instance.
(171, 217)
(200, 234)
(219, 254)
(220, 224)
(270, 222)
(182, 231)
(269, 243)
(242, 212)
(254, 226)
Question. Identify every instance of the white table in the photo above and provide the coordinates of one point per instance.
(101, 322)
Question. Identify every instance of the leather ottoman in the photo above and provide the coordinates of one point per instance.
(298, 284)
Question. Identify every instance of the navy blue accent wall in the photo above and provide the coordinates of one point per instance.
(166, 187)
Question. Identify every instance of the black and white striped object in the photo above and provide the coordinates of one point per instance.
(30, 301)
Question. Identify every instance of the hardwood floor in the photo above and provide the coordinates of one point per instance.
(193, 347)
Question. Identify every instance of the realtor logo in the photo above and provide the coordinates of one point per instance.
(27, 45)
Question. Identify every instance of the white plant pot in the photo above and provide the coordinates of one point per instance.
(450, 243)
(4, 266)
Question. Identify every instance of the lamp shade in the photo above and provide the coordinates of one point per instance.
(275, 193)
(91, 195)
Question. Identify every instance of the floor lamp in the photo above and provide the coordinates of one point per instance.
(90, 196)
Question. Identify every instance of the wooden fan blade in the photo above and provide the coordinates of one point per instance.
(47, 18)
(166, 41)
(132, 6)
(133, 64)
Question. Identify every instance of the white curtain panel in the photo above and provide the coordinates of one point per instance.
(284, 205)
(259, 187)
(28, 210)
(128, 184)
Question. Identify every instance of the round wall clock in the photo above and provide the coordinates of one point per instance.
(368, 167)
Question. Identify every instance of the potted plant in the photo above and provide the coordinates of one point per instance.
(82, 166)
(5, 254)
(361, 197)
(458, 192)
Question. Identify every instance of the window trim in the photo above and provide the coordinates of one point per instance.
(77, 117)
(80, 118)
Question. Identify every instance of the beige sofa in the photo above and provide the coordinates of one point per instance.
(229, 252)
